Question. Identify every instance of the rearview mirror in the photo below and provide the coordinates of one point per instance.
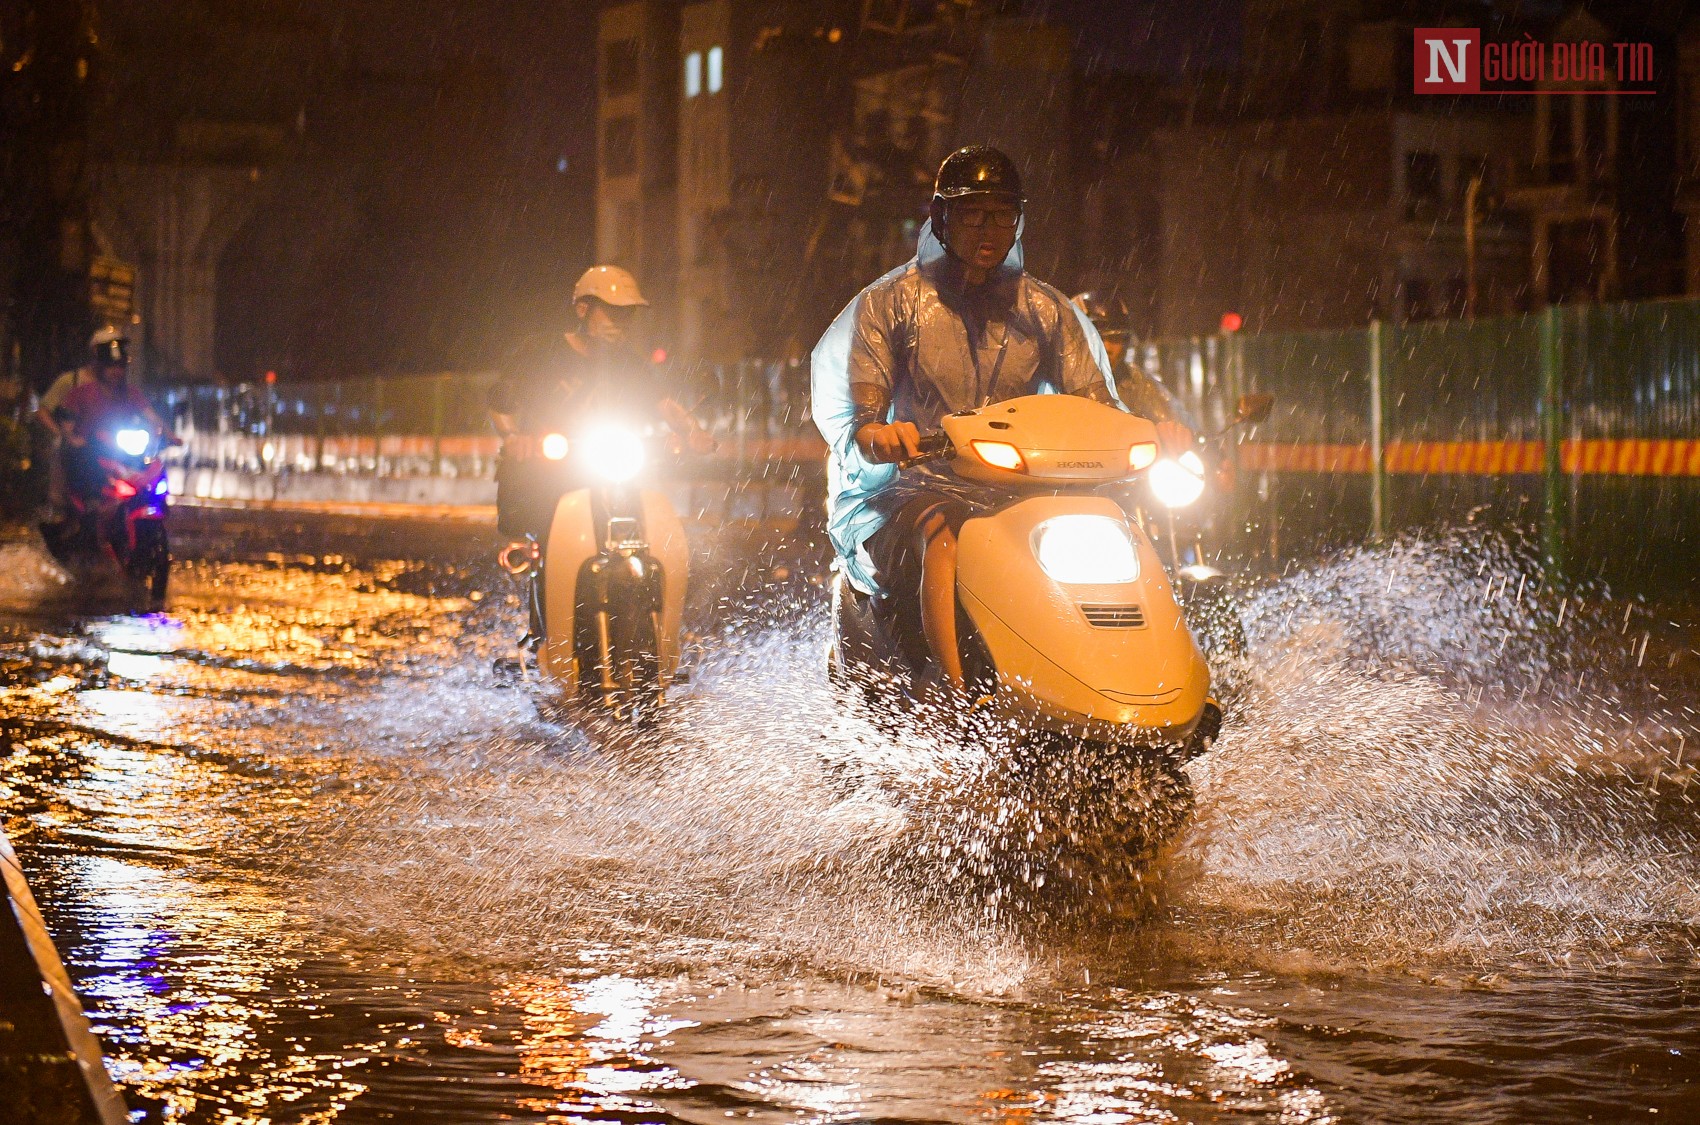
(1255, 408)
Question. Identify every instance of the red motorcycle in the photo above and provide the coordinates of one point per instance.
(119, 498)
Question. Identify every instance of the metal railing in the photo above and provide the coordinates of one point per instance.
(437, 425)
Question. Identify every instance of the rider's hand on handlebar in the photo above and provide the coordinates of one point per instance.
(888, 443)
(1175, 438)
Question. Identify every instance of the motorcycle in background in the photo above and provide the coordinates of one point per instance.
(606, 589)
(1185, 502)
(119, 512)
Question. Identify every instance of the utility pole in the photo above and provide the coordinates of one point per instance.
(1470, 196)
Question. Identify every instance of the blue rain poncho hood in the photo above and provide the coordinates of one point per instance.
(852, 480)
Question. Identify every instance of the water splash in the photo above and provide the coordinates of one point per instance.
(1419, 772)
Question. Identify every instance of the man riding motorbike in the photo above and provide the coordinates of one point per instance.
(90, 414)
(959, 326)
(591, 368)
(108, 347)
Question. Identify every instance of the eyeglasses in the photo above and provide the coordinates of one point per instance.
(1002, 218)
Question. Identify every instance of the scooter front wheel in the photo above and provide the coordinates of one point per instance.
(627, 665)
(150, 560)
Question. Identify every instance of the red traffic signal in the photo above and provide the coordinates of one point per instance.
(1232, 322)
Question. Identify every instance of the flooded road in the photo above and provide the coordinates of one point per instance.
(310, 860)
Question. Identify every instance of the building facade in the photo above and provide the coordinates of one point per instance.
(637, 129)
(756, 83)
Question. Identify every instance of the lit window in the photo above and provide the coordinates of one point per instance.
(714, 69)
(693, 74)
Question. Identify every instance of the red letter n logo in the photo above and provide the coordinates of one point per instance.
(1448, 60)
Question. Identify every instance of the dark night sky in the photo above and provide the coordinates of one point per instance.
(548, 48)
(548, 51)
(1158, 36)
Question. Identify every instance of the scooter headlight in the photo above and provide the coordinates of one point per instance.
(1086, 550)
(1179, 482)
(132, 443)
(554, 446)
(614, 453)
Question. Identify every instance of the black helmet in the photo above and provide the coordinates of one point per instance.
(978, 170)
(1108, 313)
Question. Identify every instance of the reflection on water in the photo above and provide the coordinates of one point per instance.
(311, 863)
(586, 1041)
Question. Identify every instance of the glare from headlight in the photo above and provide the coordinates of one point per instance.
(554, 446)
(1086, 550)
(134, 443)
(613, 452)
(1179, 482)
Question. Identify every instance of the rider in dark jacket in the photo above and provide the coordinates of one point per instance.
(551, 383)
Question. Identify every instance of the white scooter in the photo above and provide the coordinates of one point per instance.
(607, 618)
(1072, 624)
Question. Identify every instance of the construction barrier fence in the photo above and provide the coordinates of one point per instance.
(1579, 423)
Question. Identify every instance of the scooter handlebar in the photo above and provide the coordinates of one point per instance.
(935, 446)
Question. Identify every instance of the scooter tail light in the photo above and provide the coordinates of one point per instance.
(123, 489)
(1000, 455)
(1142, 455)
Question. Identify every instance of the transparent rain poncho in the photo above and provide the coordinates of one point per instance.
(934, 340)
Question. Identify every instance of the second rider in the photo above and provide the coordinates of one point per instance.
(556, 384)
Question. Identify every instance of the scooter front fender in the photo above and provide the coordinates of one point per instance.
(1080, 655)
(574, 540)
(572, 543)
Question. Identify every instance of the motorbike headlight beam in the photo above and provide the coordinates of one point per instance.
(614, 453)
(1179, 482)
(132, 442)
(1086, 550)
(554, 446)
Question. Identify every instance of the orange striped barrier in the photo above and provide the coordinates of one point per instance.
(1633, 457)
(1272, 457)
(305, 448)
